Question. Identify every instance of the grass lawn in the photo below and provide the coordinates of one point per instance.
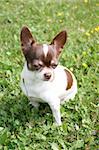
(22, 127)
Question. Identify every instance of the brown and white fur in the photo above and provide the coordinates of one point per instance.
(42, 79)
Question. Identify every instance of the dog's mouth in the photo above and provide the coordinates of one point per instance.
(47, 79)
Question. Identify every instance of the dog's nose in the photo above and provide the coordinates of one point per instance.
(47, 76)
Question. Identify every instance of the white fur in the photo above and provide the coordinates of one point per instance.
(52, 92)
(45, 49)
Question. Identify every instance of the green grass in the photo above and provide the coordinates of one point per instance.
(22, 127)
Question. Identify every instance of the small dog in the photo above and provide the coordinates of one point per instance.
(42, 78)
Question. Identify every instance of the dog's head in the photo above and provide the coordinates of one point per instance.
(42, 58)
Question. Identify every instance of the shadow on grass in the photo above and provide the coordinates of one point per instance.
(16, 112)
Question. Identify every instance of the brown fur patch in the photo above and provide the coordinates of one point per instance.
(50, 56)
(69, 79)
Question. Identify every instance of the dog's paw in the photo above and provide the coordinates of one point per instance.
(34, 104)
(57, 123)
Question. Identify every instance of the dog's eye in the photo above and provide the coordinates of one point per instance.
(54, 66)
(37, 66)
(41, 65)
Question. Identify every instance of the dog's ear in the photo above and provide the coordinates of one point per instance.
(27, 39)
(59, 41)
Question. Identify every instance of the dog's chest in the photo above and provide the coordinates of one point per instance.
(32, 89)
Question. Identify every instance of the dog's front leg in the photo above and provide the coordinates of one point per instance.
(55, 107)
(54, 103)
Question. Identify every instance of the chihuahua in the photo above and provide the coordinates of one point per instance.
(42, 78)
